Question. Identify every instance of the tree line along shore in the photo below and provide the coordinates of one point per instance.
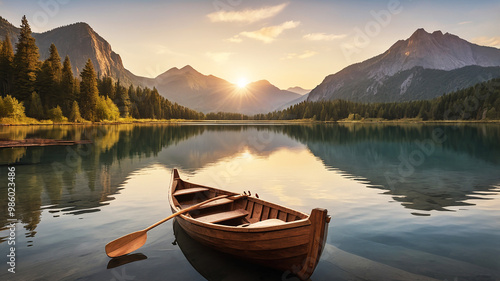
(34, 91)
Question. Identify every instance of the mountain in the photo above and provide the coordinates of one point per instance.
(293, 102)
(186, 86)
(298, 90)
(423, 66)
(208, 93)
(80, 42)
(269, 95)
(6, 28)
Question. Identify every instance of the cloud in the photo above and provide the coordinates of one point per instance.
(487, 41)
(235, 39)
(464, 22)
(219, 57)
(268, 34)
(307, 54)
(247, 16)
(323, 36)
(304, 55)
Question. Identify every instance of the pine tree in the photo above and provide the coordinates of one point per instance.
(307, 113)
(67, 89)
(35, 107)
(43, 84)
(122, 100)
(323, 114)
(6, 67)
(75, 116)
(88, 92)
(25, 63)
(55, 61)
(49, 79)
(107, 87)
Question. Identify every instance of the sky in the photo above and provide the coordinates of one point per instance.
(289, 43)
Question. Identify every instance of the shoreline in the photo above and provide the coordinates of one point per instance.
(258, 122)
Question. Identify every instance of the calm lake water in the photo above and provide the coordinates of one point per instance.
(408, 202)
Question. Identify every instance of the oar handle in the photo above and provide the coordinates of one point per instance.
(185, 211)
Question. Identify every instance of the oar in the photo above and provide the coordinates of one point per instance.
(133, 241)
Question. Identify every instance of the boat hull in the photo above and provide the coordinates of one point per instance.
(292, 247)
(280, 249)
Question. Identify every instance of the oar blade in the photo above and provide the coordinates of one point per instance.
(126, 244)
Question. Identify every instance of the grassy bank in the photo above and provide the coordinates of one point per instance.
(26, 121)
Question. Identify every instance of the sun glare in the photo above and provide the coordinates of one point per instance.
(242, 83)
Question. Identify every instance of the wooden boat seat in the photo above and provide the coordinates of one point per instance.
(219, 202)
(223, 216)
(190, 190)
(264, 223)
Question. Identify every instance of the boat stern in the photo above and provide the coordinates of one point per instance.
(319, 219)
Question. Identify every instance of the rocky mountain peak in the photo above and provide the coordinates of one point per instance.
(408, 61)
(188, 68)
(81, 27)
(80, 42)
(174, 71)
(419, 33)
(422, 34)
(432, 51)
(438, 33)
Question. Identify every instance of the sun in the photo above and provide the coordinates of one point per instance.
(242, 83)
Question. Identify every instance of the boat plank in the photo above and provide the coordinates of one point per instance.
(278, 207)
(273, 214)
(190, 190)
(258, 245)
(247, 234)
(222, 201)
(249, 207)
(282, 216)
(223, 216)
(265, 213)
(257, 211)
(256, 253)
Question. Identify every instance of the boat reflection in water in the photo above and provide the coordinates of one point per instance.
(215, 265)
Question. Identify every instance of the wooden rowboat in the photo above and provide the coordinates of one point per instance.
(216, 265)
(250, 228)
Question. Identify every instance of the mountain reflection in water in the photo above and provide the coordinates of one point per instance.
(405, 161)
(425, 167)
